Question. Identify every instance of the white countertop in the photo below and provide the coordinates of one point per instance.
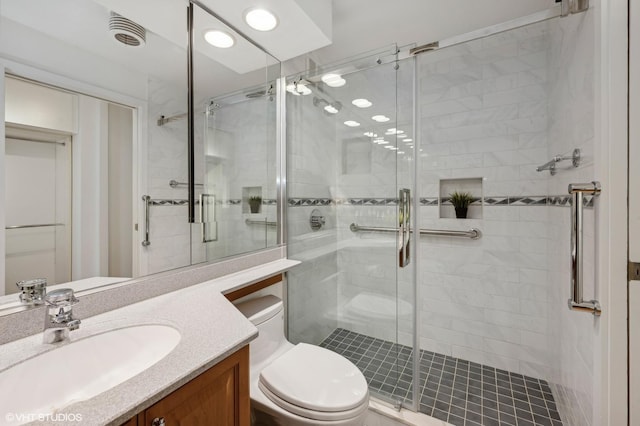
(211, 329)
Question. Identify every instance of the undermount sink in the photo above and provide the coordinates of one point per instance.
(83, 369)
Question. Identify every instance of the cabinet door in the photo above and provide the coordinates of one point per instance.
(132, 422)
(219, 396)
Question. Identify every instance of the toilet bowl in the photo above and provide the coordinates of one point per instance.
(299, 384)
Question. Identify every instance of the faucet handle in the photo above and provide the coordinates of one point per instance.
(74, 324)
(61, 297)
(32, 291)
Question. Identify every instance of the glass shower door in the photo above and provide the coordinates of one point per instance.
(350, 161)
(238, 193)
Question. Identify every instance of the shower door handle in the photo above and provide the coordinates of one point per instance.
(404, 204)
(204, 216)
(576, 302)
(147, 226)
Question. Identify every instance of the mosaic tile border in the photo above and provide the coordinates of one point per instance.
(517, 200)
(553, 200)
(161, 203)
(306, 202)
(231, 202)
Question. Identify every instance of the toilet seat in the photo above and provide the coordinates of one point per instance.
(315, 383)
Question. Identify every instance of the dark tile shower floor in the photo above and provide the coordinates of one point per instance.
(451, 389)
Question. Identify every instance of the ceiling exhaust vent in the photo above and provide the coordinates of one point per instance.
(126, 31)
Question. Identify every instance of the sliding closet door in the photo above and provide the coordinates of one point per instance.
(37, 206)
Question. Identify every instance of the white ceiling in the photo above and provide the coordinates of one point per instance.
(355, 26)
(303, 25)
(363, 25)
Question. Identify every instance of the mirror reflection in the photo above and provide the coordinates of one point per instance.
(96, 141)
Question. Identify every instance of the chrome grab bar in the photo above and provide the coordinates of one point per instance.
(174, 183)
(260, 222)
(147, 203)
(473, 233)
(39, 225)
(576, 302)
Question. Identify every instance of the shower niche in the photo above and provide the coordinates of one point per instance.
(251, 199)
(472, 186)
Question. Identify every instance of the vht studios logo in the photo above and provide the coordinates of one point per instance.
(41, 417)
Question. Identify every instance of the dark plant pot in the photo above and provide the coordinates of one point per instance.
(461, 212)
(255, 207)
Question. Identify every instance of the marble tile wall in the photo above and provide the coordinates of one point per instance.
(312, 162)
(240, 161)
(483, 114)
(166, 160)
(239, 153)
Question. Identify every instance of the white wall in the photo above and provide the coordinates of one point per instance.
(90, 171)
(24, 45)
(40, 106)
(120, 187)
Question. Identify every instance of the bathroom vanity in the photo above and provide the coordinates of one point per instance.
(203, 376)
(219, 396)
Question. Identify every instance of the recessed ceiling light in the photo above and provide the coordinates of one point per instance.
(351, 123)
(303, 89)
(261, 19)
(398, 132)
(380, 118)
(362, 103)
(382, 142)
(334, 80)
(219, 39)
(407, 140)
(291, 88)
(331, 109)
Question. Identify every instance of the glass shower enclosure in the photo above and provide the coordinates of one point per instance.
(473, 327)
(350, 164)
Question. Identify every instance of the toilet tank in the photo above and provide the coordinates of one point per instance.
(267, 314)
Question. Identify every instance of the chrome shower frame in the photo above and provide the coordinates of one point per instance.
(565, 8)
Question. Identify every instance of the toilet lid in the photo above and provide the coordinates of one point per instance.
(314, 378)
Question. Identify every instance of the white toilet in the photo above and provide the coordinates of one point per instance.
(299, 384)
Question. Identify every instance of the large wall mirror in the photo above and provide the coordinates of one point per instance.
(96, 141)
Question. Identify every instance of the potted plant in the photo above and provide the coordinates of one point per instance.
(254, 203)
(461, 201)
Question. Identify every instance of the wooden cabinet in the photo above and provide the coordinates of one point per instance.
(219, 396)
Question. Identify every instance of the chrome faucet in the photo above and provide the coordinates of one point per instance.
(32, 291)
(58, 318)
